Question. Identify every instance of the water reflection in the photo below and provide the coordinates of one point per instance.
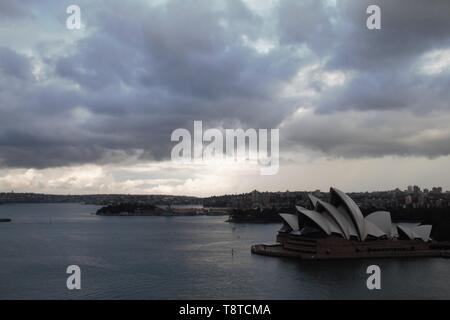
(182, 258)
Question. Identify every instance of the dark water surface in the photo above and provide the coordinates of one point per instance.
(181, 258)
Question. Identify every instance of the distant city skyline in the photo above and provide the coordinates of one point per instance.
(91, 111)
(411, 189)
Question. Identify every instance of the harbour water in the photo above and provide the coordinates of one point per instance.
(182, 258)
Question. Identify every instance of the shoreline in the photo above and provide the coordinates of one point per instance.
(277, 250)
(168, 214)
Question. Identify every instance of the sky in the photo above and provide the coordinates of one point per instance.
(92, 110)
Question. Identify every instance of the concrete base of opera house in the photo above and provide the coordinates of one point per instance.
(300, 247)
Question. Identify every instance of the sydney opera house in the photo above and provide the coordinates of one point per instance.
(339, 230)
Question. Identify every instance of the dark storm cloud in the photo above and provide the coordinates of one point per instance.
(307, 22)
(409, 28)
(13, 64)
(384, 61)
(371, 134)
(13, 9)
(142, 70)
(384, 90)
(142, 73)
(388, 104)
(181, 48)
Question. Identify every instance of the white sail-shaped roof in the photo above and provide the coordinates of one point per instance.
(373, 230)
(353, 209)
(337, 216)
(394, 231)
(318, 219)
(291, 220)
(350, 225)
(423, 232)
(382, 219)
(406, 228)
(314, 200)
(334, 227)
(344, 217)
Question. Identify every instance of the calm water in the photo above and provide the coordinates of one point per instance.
(181, 258)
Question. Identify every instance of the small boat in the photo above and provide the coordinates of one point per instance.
(5, 220)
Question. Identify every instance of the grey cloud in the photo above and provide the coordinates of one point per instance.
(375, 134)
(389, 90)
(12, 9)
(339, 34)
(307, 22)
(181, 48)
(14, 64)
(142, 71)
(388, 106)
(409, 28)
(142, 74)
(383, 63)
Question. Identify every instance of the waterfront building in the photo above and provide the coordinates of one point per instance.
(338, 229)
(343, 218)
